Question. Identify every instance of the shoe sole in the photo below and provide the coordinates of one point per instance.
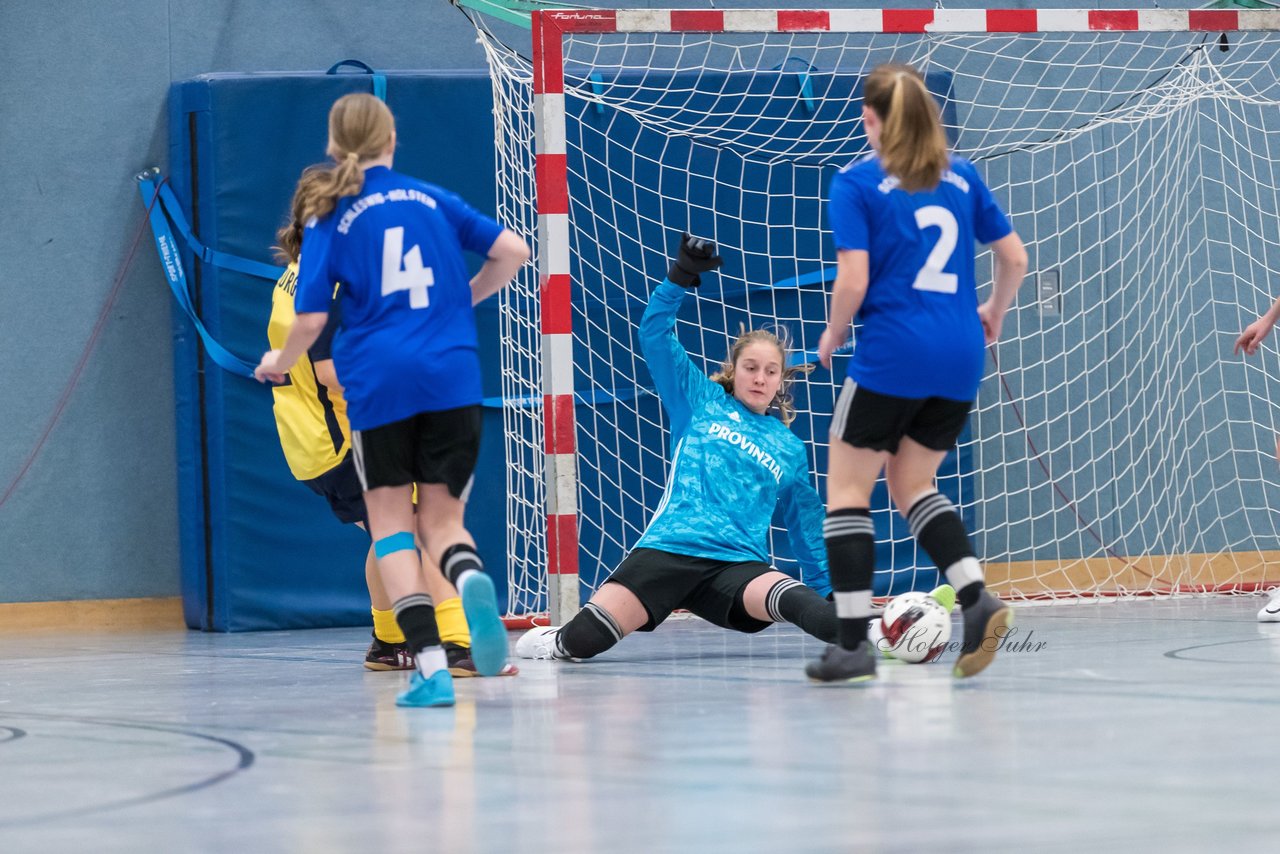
(853, 680)
(420, 698)
(488, 634)
(973, 663)
(404, 701)
(379, 668)
(464, 673)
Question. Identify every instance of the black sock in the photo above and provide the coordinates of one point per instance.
(851, 559)
(592, 631)
(417, 619)
(939, 530)
(968, 595)
(458, 559)
(792, 602)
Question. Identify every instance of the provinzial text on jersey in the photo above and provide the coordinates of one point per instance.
(363, 203)
(733, 437)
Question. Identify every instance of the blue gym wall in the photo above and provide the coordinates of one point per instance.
(83, 108)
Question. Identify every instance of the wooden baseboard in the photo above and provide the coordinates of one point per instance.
(1109, 576)
(93, 615)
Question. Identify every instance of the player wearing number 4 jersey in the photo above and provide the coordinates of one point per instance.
(407, 357)
(906, 219)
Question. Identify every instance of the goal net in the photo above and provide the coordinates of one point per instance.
(1117, 446)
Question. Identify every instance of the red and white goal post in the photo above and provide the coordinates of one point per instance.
(1117, 446)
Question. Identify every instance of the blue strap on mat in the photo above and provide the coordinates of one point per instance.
(379, 80)
(155, 194)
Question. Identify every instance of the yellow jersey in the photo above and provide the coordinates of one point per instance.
(310, 418)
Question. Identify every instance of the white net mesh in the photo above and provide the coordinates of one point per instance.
(1117, 446)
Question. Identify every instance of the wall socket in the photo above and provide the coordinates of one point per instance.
(1049, 292)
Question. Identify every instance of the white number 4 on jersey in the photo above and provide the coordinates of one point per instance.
(411, 276)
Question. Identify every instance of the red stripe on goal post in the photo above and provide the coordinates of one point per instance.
(551, 176)
(562, 544)
(697, 21)
(557, 310)
(791, 20)
(557, 423)
(548, 56)
(1113, 19)
(1213, 20)
(907, 20)
(1012, 21)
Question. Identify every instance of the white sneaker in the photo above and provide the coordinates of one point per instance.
(538, 643)
(1270, 612)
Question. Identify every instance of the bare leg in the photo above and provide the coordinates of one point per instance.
(753, 597)
(912, 473)
(621, 604)
(390, 511)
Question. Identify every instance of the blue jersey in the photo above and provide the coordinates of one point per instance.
(730, 467)
(408, 337)
(921, 336)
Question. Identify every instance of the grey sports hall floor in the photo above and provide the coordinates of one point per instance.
(1139, 726)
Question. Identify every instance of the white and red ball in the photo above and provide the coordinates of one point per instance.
(915, 628)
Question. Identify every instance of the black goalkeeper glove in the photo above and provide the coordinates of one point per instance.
(696, 256)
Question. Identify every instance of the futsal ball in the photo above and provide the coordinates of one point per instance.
(915, 626)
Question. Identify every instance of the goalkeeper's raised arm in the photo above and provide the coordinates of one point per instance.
(733, 461)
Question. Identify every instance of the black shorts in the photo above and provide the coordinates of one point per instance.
(712, 589)
(868, 419)
(430, 447)
(340, 486)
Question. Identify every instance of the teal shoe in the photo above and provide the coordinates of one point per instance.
(437, 690)
(488, 634)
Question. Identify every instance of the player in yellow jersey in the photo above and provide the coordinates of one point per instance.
(311, 418)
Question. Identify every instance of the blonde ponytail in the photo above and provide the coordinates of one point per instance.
(361, 128)
(913, 145)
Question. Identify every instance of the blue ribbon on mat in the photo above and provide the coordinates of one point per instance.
(379, 80)
(160, 201)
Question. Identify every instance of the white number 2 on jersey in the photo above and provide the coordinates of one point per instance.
(930, 277)
(412, 277)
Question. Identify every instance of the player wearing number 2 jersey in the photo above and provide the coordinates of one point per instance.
(906, 219)
(407, 357)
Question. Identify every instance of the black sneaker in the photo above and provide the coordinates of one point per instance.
(388, 656)
(838, 664)
(461, 665)
(986, 623)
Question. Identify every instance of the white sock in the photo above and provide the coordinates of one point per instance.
(431, 660)
(853, 604)
(964, 572)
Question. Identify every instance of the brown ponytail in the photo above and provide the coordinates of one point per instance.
(289, 238)
(360, 129)
(913, 146)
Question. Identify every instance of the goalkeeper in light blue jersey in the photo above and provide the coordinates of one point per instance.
(733, 461)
